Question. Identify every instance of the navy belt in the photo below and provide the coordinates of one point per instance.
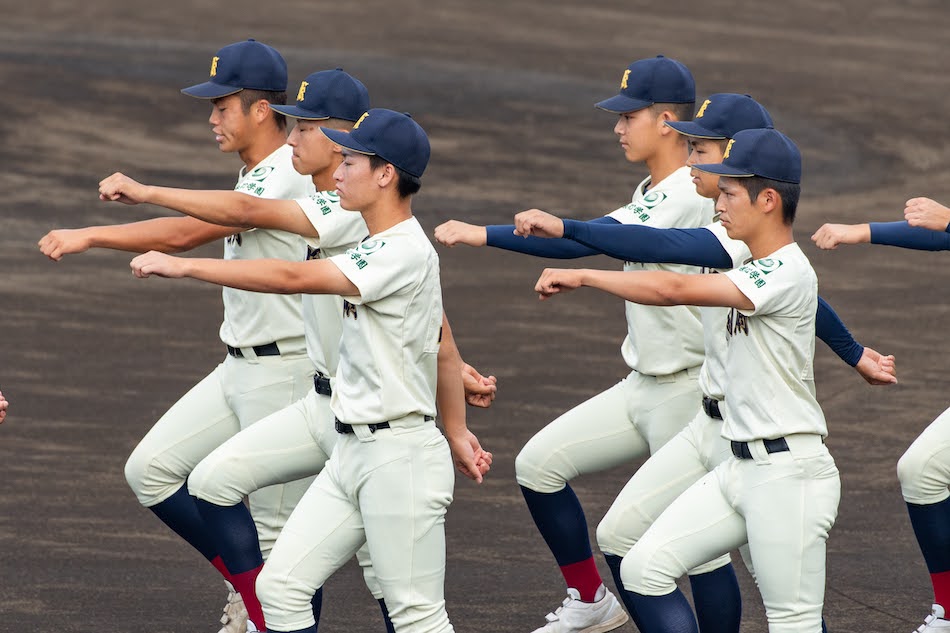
(322, 384)
(343, 427)
(741, 449)
(711, 407)
(270, 349)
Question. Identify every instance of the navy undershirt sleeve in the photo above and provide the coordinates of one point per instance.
(646, 244)
(502, 236)
(830, 329)
(904, 235)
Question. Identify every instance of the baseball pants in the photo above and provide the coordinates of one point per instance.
(390, 490)
(670, 471)
(632, 419)
(924, 469)
(238, 393)
(292, 444)
(782, 504)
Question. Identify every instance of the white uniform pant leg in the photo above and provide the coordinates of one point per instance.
(193, 427)
(629, 420)
(924, 469)
(263, 386)
(680, 463)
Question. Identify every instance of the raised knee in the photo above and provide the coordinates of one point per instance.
(909, 468)
(643, 571)
(137, 473)
(609, 540)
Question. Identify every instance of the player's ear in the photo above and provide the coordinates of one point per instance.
(261, 109)
(770, 200)
(385, 175)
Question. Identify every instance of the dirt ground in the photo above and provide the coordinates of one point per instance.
(90, 357)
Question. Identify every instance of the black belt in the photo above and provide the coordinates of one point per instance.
(711, 407)
(741, 449)
(269, 349)
(343, 427)
(322, 384)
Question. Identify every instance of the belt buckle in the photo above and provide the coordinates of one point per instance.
(342, 427)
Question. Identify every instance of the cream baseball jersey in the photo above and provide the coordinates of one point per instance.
(254, 318)
(664, 340)
(770, 380)
(339, 230)
(391, 332)
(712, 376)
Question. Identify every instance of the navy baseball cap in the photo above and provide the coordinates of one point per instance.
(654, 80)
(766, 153)
(328, 94)
(249, 64)
(393, 136)
(723, 115)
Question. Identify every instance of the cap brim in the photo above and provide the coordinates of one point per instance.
(691, 128)
(299, 113)
(210, 90)
(621, 104)
(721, 169)
(345, 139)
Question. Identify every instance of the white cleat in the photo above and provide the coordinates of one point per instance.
(234, 618)
(936, 621)
(575, 616)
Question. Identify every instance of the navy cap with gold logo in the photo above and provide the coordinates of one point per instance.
(328, 94)
(723, 115)
(393, 136)
(243, 65)
(654, 80)
(766, 153)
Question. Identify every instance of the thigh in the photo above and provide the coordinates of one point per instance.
(593, 436)
(256, 388)
(924, 469)
(699, 526)
(660, 409)
(656, 484)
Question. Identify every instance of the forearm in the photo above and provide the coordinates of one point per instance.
(166, 235)
(832, 330)
(646, 287)
(450, 392)
(272, 276)
(225, 208)
(639, 243)
(503, 237)
(903, 235)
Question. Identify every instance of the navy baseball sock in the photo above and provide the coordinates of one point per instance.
(662, 614)
(717, 600)
(180, 513)
(931, 525)
(389, 623)
(613, 562)
(561, 521)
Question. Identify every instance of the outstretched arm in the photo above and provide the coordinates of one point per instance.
(454, 232)
(470, 459)
(166, 235)
(318, 276)
(900, 234)
(226, 208)
(928, 214)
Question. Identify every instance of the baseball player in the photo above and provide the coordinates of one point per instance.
(296, 441)
(663, 347)
(389, 479)
(699, 447)
(780, 489)
(266, 366)
(924, 469)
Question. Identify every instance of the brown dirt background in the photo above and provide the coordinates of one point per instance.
(90, 357)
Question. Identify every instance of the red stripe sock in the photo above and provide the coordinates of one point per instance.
(941, 583)
(218, 564)
(584, 577)
(244, 583)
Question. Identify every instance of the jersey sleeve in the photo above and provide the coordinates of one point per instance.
(646, 244)
(771, 289)
(736, 250)
(380, 268)
(503, 237)
(904, 235)
(335, 226)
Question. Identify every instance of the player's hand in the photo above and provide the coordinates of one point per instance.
(469, 457)
(877, 369)
(539, 224)
(61, 242)
(927, 213)
(558, 280)
(479, 390)
(829, 236)
(120, 188)
(158, 264)
(3, 408)
(453, 232)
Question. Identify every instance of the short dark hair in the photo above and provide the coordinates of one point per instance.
(407, 184)
(249, 97)
(681, 111)
(787, 191)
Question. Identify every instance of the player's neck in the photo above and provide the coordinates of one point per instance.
(265, 144)
(385, 214)
(665, 162)
(766, 242)
(323, 180)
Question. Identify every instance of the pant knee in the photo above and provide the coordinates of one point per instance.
(920, 483)
(612, 538)
(429, 617)
(284, 600)
(210, 481)
(649, 572)
(148, 480)
(538, 472)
